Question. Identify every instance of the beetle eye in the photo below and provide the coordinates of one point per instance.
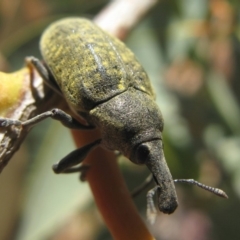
(142, 154)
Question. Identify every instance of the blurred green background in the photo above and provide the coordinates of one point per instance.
(191, 51)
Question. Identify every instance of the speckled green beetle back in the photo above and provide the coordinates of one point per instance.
(89, 65)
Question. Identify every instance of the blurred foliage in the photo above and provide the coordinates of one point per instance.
(191, 51)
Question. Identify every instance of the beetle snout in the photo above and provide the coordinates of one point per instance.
(155, 161)
(167, 200)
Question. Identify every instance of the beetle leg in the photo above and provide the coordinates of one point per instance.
(82, 169)
(143, 186)
(55, 113)
(74, 158)
(44, 73)
(151, 209)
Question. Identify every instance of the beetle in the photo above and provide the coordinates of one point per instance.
(103, 83)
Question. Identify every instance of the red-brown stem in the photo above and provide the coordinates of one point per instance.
(107, 184)
(110, 192)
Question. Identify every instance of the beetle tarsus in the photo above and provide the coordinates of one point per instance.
(7, 122)
(83, 169)
(151, 210)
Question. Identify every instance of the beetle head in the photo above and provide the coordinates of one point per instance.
(151, 154)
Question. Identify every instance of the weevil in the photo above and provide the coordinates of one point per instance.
(103, 82)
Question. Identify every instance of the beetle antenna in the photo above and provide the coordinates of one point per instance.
(151, 209)
(216, 191)
(149, 180)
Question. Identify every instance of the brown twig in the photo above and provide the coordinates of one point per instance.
(110, 192)
(119, 17)
(23, 95)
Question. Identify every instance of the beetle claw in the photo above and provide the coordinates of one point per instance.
(83, 169)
